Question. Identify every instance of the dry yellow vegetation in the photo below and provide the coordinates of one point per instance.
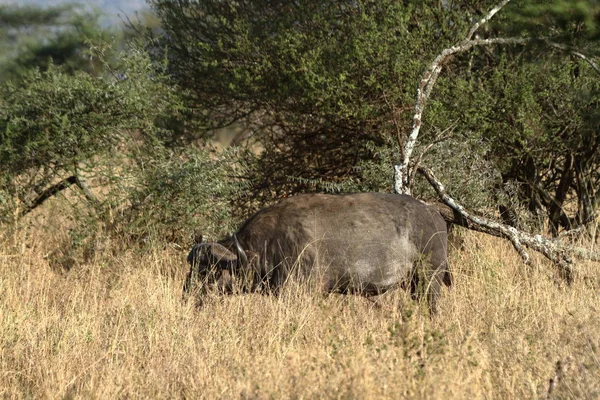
(116, 327)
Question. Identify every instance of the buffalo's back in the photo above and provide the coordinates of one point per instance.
(367, 240)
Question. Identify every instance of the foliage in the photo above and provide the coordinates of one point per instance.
(179, 195)
(573, 21)
(113, 131)
(534, 123)
(319, 85)
(325, 93)
(33, 37)
(57, 124)
(550, 143)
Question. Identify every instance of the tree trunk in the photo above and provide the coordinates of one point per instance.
(556, 214)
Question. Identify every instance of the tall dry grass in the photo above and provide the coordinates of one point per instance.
(116, 327)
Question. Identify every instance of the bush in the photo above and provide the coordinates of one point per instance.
(57, 125)
(184, 194)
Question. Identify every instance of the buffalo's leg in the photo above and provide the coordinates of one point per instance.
(436, 279)
(426, 282)
(190, 280)
(434, 291)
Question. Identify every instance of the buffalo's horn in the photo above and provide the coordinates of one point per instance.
(241, 253)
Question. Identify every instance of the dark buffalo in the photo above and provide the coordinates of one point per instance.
(362, 243)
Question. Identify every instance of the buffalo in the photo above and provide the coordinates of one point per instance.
(364, 243)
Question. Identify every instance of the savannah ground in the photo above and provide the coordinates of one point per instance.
(115, 326)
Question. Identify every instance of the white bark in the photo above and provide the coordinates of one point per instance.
(401, 172)
(485, 19)
(555, 251)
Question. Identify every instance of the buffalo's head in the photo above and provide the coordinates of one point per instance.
(212, 264)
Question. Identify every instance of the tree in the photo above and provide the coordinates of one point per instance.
(553, 250)
(325, 86)
(109, 137)
(548, 152)
(33, 37)
(319, 85)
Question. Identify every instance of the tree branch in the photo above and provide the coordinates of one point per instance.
(47, 193)
(401, 171)
(576, 53)
(485, 19)
(57, 188)
(553, 250)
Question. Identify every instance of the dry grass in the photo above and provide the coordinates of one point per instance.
(116, 327)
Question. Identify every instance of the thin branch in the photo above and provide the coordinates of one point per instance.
(485, 19)
(47, 193)
(576, 53)
(415, 167)
(399, 136)
(442, 136)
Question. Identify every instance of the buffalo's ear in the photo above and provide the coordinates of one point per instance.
(219, 254)
(197, 237)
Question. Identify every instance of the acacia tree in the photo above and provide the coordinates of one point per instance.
(324, 86)
(321, 86)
